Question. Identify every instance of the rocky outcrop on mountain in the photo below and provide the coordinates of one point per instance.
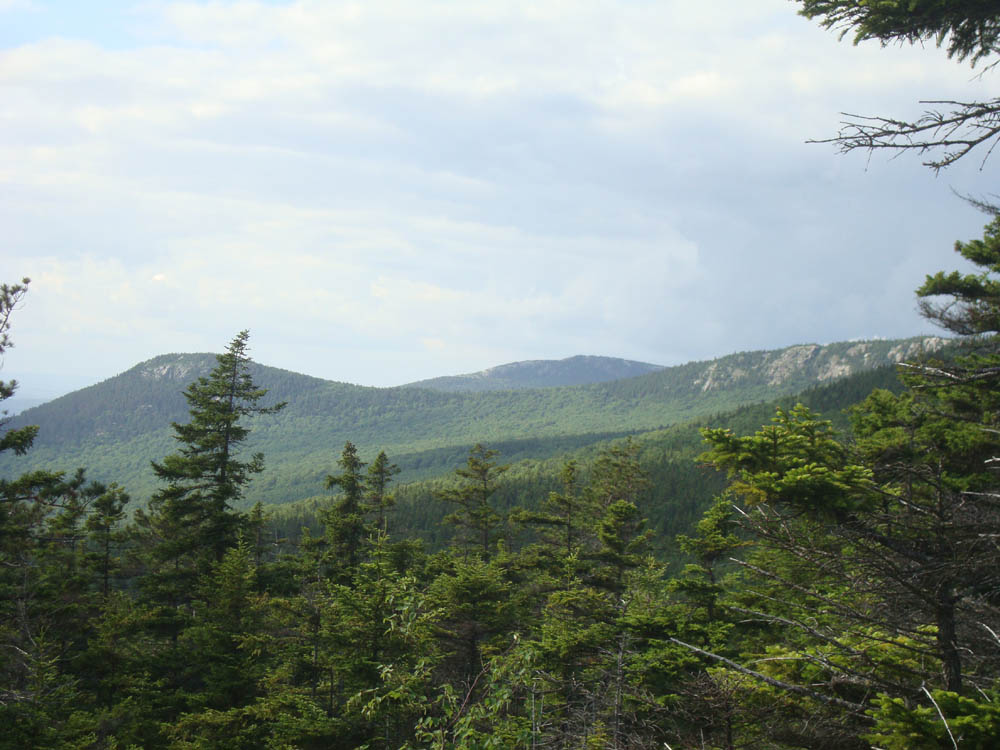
(811, 362)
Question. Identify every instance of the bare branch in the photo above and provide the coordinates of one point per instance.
(952, 133)
(991, 631)
(954, 742)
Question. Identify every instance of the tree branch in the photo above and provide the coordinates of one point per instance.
(787, 686)
(955, 132)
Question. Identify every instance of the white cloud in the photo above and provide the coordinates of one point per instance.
(547, 178)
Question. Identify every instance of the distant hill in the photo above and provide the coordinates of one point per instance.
(115, 428)
(17, 403)
(540, 373)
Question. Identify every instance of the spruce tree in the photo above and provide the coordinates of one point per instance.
(344, 520)
(564, 520)
(378, 500)
(192, 522)
(479, 523)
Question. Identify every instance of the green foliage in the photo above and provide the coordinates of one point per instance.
(851, 570)
(951, 720)
(191, 522)
(47, 602)
(563, 517)
(106, 538)
(378, 501)
(796, 461)
(713, 543)
(974, 304)
(870, 559)
(970, 27)
(679, 490)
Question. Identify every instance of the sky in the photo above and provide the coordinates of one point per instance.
(387, 191)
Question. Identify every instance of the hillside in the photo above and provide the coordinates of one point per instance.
(680, 489)
(540, 373)
(115, 428)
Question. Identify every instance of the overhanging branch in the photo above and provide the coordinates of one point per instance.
(951, 128)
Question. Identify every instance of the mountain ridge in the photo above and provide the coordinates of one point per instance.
(580, 369)
(116, 427)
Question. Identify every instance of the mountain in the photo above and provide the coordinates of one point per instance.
(540, 373)
(115, 428)
(679, 491)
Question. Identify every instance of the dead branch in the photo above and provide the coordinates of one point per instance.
(955, 130)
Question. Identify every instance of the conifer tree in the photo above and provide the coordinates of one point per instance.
(192, 522)
(344, 521)
(106, 514)
(974, 304)
(966, 29)
(378, 500)
(564, 519)
(44, 598)
(477, 520)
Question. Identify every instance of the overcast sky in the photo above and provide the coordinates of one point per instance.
(388, 191)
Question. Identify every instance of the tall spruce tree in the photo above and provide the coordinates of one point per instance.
(378, 500)
(344, 520)
(192, 521)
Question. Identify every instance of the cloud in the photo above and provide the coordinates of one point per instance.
(522, 180)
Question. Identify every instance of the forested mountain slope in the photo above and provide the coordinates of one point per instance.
(541, 373)
(679, 491)
(115, 428)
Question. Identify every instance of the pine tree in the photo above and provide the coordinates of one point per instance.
(44, 598)
(966, 29)
(973, 304)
